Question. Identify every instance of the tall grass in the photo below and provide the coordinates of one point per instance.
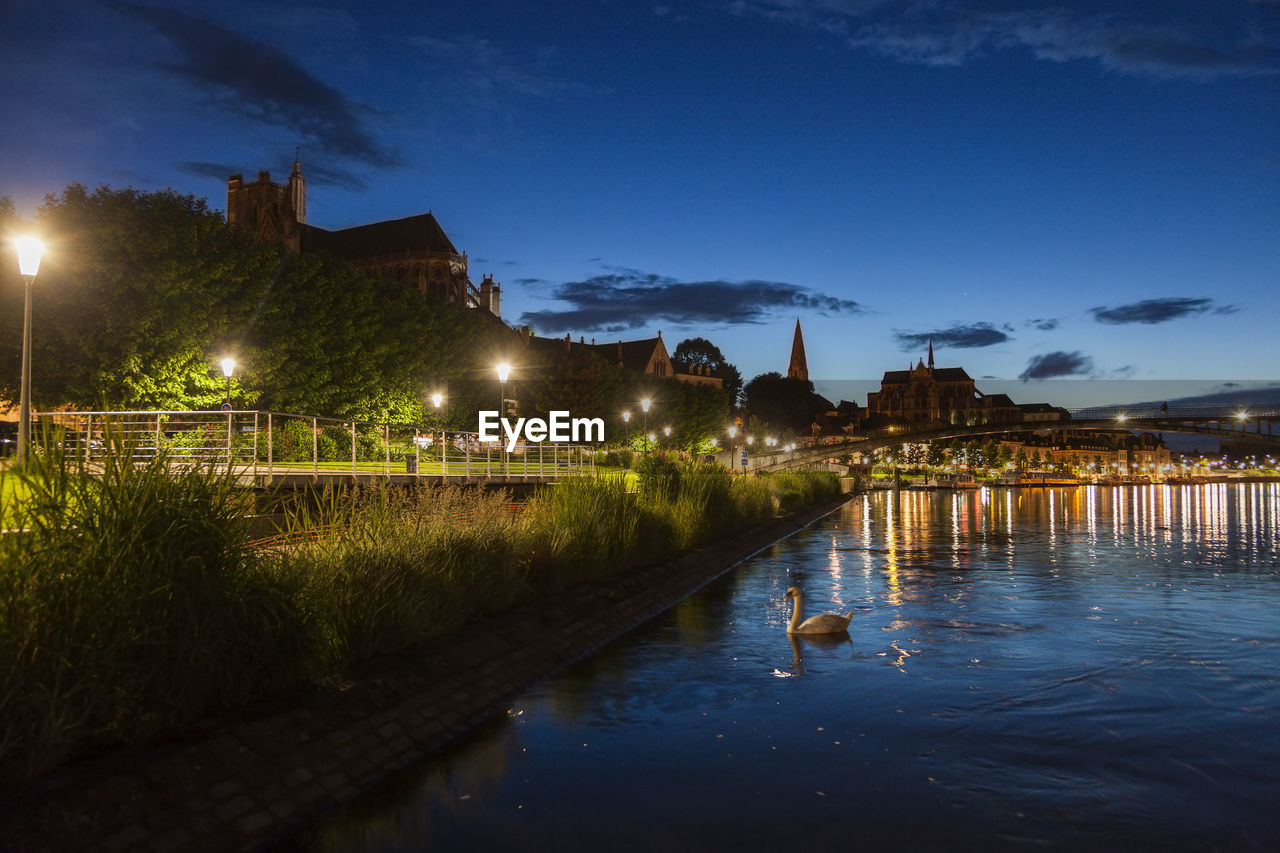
(132, 600)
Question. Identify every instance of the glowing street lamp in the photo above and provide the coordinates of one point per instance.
(644, 407)
(626, 419)
(504, 370)
(228, 368)
(29, 251)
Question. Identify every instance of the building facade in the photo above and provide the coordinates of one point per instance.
(411, 252)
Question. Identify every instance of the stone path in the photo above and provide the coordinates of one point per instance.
(247, 782)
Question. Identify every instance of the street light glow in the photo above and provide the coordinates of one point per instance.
(29, 251)
(504, 370)
(644, 404)
(228, 367)
(436, 399)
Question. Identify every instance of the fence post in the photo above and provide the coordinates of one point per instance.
(271, 460)
(255, 445)
(228, 442)
(88, 437)
(417, 455)
(353, 446)
(315, 446)
(386, 444)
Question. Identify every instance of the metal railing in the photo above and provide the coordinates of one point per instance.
(261, 442)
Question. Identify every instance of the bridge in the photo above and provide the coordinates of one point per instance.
(267, 449)
(1219, 421)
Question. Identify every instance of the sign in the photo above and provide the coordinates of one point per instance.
(744, 459)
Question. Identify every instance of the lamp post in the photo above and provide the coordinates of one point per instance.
(626, 419)
(436, 399)
(504, 370)
(644, 407)
(228, 368)
(29, 251)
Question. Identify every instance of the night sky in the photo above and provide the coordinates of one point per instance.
(1045, 189)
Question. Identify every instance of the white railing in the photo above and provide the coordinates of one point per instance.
(272, 443)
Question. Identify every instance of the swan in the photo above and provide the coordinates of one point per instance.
(824, 623)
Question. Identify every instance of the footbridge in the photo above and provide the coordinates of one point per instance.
(1222, 422)
(266, 449)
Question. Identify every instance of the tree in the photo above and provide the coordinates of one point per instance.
(138, 296)
(700, 352)
(782, 402)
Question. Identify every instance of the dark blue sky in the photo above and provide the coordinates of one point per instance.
(1070, 189)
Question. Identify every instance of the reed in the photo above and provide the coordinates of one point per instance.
(130, 603)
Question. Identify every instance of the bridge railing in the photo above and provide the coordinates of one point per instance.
(265, 442)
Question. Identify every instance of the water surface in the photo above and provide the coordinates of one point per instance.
(1026, 669)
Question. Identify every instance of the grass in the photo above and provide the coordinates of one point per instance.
(133, 603)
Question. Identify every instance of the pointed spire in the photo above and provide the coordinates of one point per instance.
(931, 353)
(298, 189)
(799, 367)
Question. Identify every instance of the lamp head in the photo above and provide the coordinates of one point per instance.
(228, 366)
(504, 370)
(436, 399)
(645, 403)
(29, 251)
(626, 417)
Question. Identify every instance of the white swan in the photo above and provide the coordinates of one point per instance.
(824, 623)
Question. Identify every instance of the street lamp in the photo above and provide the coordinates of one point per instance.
(504, 370)
(644, 406)
(29, 251)
(228, 368)
(626, 419)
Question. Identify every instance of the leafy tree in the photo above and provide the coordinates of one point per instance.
(138, 295)
(700, 352)
(782, 402)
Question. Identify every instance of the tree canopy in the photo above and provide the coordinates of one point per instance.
(700, 352)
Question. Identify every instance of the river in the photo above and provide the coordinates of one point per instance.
(1026, 669)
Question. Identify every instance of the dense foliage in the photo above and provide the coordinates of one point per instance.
(140, 295)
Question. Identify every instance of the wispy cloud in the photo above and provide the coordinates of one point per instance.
(950, 33)
(629, 299)
(1058, 364)
(959, 336)
(1043, 324)
(255, 80)
(487, 77)
(1152, 311)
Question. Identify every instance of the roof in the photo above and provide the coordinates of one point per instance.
(633, 355)
(411, 235)
(940, 374)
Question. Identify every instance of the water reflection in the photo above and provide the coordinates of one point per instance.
(1062, 667)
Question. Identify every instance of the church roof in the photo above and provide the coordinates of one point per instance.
(633, 355)
(411, 235)
(940, 374)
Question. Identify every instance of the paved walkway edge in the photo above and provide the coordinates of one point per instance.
(253, 780)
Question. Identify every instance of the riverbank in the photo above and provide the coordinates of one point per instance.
(249, 780)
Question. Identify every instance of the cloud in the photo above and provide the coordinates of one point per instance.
(255, 80)
(951, 34)
(958, 337)
(1044, 325)
(1056, 364)
(630, 299)
(484, 76)
(1152, 311)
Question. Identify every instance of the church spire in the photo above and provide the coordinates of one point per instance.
(931, 353)
(799, 367)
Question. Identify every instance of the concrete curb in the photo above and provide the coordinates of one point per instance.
(252, 780)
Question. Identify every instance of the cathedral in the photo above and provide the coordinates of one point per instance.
(946, 395)
(413, 252)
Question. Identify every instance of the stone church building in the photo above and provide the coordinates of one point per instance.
(414, 252)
